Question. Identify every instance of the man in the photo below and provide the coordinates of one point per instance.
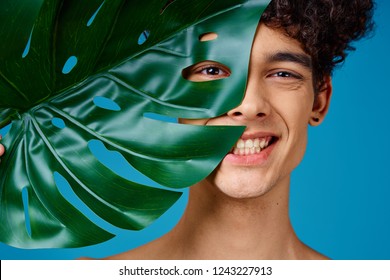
(241, 210)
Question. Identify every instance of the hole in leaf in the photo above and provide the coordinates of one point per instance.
(27, 49)
(167, 4)
(206, 71)
(209, 36)
(26, 210)
(64, 188)
(143, 37)
(69, 64)
(67, 192)
(57, 122)
(90, 21)
(5, 130)
(106, 103)
(118, 164)
(159, 117)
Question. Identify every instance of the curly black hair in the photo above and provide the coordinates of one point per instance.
(325, 28)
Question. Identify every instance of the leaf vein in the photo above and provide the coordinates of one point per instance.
(102, 138)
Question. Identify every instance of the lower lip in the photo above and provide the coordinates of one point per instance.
(248, 160)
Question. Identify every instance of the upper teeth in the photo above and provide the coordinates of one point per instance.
(251, 146)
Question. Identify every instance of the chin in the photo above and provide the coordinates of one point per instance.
(241, 187)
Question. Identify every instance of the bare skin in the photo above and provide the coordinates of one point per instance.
(216, 226)
(241, 210)
(1, 149)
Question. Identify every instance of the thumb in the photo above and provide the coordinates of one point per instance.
(1, 149)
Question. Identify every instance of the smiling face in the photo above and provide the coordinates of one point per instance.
(279, 104)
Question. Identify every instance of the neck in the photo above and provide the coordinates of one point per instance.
(216, 226)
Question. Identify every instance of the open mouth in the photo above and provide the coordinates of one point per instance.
(252, 146)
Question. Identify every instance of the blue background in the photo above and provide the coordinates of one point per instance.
(340, 194)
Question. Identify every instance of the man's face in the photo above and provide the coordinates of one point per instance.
(279, 104)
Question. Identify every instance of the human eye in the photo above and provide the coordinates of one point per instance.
(206, 71)
(285, 75)
(212, 71)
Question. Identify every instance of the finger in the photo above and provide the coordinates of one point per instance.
(1, 149)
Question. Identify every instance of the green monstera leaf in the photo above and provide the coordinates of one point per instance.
(74, 74)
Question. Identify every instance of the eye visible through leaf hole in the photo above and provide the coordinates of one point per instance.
(206, 71)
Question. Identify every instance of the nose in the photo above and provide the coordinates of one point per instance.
(254, 106)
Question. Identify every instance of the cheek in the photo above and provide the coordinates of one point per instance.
(295, 111)
(294, 108)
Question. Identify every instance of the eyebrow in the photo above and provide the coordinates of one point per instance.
(302, 59)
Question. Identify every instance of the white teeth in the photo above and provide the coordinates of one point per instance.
(249, 143)
(240, 144)
(251, 146)
(262, 143)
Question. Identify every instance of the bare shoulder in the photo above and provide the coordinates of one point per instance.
(311, 254)
(141, 253)
(146, 252)
(158, 249)
(154, 250)
(135, 254)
